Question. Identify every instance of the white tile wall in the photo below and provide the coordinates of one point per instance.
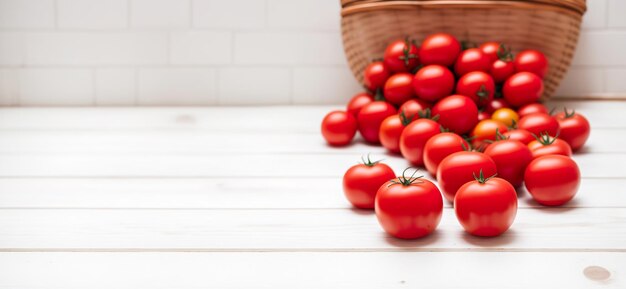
(222, 52)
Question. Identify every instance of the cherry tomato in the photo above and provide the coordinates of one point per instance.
(460, 168)
(399, 88)
(539, 123)
(520, 135)
(486, 207)
(547, 145)
(409, 208)
(486, 130)
(482, 115)
(401, 56)
(532, 108)
(552, 180)
(390, 131)
(433, 82)
(478, 86)
(457, 113)
(414, 138)
(496, 104)
(511, 158)
(371, 117)
(472, 59)
(439, 48)
(440, 146)
(412, 108)
(491, 49)
(375, 75)
(501, 70)
(359, 101)
(522, 88)
(338, 128)
(361, 182)
(531, 61)
(506, 116)
(574, 127)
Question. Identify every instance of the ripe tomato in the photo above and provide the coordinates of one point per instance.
(399, 88)
(472, 59)
(371, 117)
(433, 82)
(547, 145)
(482, 115)
(459, 168)
(506, 116)
(390, 131)
(412, 107)
(439, 48)
(409, 208)
(491, 49)
(532, 108)
(414, 138)
(440, 146)
(501, 70)
(496, 104)
(574, 127)
(522, 88)
(531, 61)
(338, 128)
(520, 135)
(361, 182)
(359, 101)
(457, 113)
(538, 123)
(401, 56)
(478, 86)
(486, 206)
(375, 75)
(511, 158)
(486, 130)
(552, 180)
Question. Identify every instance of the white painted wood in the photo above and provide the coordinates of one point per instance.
(313, 229)
(229, 193)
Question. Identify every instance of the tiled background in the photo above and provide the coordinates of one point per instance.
(226, 52)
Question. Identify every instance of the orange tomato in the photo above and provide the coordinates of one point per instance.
(485, 130)
(506, 116)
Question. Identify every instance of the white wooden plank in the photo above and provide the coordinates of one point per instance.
(237, 165)
(313, 270)
(230, 193)
(339, 229)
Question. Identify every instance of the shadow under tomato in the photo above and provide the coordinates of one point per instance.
(415, 243)
(362, 212)
(490, 242)
(569, 206)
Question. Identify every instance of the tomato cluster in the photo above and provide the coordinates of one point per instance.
(472, 118)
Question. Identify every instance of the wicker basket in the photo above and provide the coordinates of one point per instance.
(551, 26)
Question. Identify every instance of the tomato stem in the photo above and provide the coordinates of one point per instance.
(405, 120)
(406, 52)
(545, 139)
(481, 177)
(403, 180)
(568, 114)
(368, 162)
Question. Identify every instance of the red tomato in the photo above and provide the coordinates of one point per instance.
(459, 168)
(539, 123)
(520, 135)
(501, 70)
(361, 182)
(472, 59)
(486, 207)
(390, 131)
(409, 208)
(486, 130)
(433, 82)
(457, 113)
(371, 117)
(375, 75)
(532, 108)
(531, 61)
(522, 88)
(359, 101)
(482, 115)
(439, 48)
(552, 180)
(496, 104)
(574, 127)
(478, 86)
(412, 108)
(547, 145)
(440, 146)
(511, 158)
(399, 88)
(414, 138)
(338, 128)
(491, 49)
(401, 56)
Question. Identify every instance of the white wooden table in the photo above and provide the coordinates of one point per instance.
(251, 198)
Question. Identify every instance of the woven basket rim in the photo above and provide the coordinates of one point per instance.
(355, 6)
